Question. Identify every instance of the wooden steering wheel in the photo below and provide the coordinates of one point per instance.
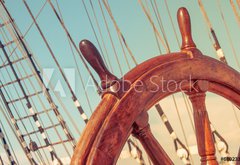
(122, 110)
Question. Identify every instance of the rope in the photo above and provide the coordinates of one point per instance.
(159, 20)
(171, 20)
(28, 29)
(235, 12)
(228, 34)
(235, 115)
(216, 45)
(29, 105)
(238, 4)
(51, 87)
(101, 35)
(110, 37)
(76, 64)
(155, 35)
(74, 45)
(154, 27)
(62, 122)
(18, 132)
(10, 144)
(172, 133)
(59, 117)
(94, 31)
(74, 98)
(21, 101)
(22, 104)
(120, 35)
(6, 147)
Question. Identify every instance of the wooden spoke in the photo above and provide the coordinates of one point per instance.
(205, 141)
(143, 133)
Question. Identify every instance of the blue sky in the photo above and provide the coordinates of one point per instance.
(133, 24)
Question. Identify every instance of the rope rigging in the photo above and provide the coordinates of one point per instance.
(74, 98)
(228, 34)
(73, 43)
(23, 71)
(216, 44)
(46, 93)
(44, 107)
(6, 147)
(64, 123)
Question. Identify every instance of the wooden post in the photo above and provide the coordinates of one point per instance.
(205, 140)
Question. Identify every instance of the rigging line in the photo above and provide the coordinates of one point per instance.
(35, 61)
(9, 95)
(59, 117)
(181, 124)
(216, 44)
(74, 45)
(15, 90)
(228, 34)
(44, 108)
(27, 88)
(238, 4)
(3, 161)
(101, 36)
(137, 154)
(170, 130)
(29, 105)
(235, 114)
(158, 44)
(235, 12)
(6, 146)
(171, 20)
(157, 41)
(120, 41)
(10, 144)
(17, 133)
(32, 59)
(42, 104)
(74, 98)
(154, 27)
(29, 28)
(75, 61)
(159, 20)
(119, 31)
(120, 37)
(156, 38)
(190, 116)
(94, 31)
(110, 37)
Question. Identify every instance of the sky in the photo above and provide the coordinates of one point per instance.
(139, 35)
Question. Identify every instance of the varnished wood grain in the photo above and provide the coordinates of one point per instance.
(118, 122)
(115, 117)
(142, 131)
(184, 23)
